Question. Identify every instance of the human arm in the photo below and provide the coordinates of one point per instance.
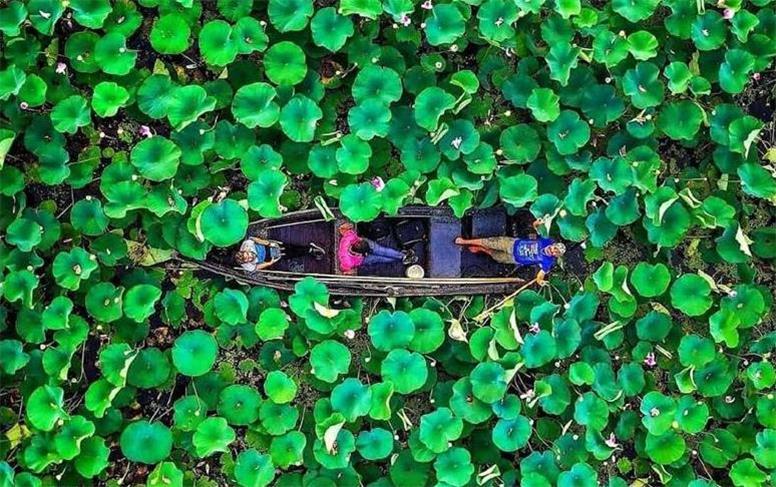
(261, 241)
(264, 265)
(535, 225)
(540, 278)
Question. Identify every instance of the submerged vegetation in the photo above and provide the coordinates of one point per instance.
(133, 132)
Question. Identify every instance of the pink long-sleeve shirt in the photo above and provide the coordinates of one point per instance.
(348, 261)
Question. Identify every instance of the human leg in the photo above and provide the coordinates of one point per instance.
(499, 248)
(372, 259)
(377, 249)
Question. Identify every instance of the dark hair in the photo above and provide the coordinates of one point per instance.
(361, 247)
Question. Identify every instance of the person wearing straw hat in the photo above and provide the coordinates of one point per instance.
(534, 250)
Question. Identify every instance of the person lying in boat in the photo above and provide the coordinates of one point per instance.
(355, 251)
(534, 250)
(257, 253)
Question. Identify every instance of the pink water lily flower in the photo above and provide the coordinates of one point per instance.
(378, 183)
(427, 5)
(650, 361)
(534, 328)
(145, 131)
(728, 13)
(61, 68)
(405, 20)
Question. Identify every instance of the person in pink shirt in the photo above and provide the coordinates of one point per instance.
(355, 251)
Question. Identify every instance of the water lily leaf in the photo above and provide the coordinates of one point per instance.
(330, 29)
(375, 444)
(70, 114)
(360, 202)
(445, 24)
(254, 106)
(108, 97)
(635, 12)
(218, 43)
(146, 442)
(299, 118)
(290, 15)
(454, 467)
(212, 435)
(170, 34)
(680, 120)
(264, 193)
(691, 294)
(223, 224)
(351, 398)
(406, 370)
(709, 31)
(284, 64)
(253, 469)
(518, 190)
(568, 133)
(665, 448)
(430, 105)
(562, 58)
(112, 55)
(438, 429)
(520, 143)
(156, 158)
(194, 353)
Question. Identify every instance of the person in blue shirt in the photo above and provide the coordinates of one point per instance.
(534, 250)
(257, 253)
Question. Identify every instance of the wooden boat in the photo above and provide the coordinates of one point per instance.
(429, 231)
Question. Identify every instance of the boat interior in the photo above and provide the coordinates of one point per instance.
(430, 236)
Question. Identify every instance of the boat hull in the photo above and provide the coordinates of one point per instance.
(429, 232)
